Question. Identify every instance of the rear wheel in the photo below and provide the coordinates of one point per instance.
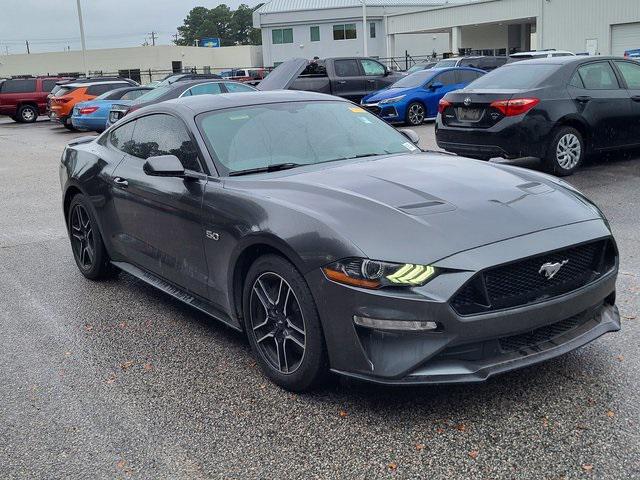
(27, 114)
(282, 324)
(415, 114)
(566, 152)
(89, 251)
(68, 125)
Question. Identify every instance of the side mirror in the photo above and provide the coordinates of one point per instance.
(164, 166)
(387, 72)
(410, 134)
(435, 86)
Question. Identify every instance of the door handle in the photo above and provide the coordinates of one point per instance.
(371, 81)
(583, 98)
(342, 82)
(121, 182)
(636, 98)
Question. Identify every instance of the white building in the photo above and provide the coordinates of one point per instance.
(333, 28)
(133, 61)
(598, 27)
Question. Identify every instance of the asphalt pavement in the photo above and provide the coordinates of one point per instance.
(117, 380)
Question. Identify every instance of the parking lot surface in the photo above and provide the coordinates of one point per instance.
(117, 380)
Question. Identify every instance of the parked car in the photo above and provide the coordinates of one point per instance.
(24, 99)
(179, 89)
(333, 242)
(66, 81)
(556, 109)
(414, 98)
(252, 76)
(486, 63)
(632, 54)
(70, 94)
(93, 114)
(184, 77)
(421, 66)
(518, 57)
(350, 77)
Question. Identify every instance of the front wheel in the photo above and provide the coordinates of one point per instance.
(27, 114)
(415, 114)
(282, 324)
(566, 152)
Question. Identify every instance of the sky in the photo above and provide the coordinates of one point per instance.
(52, 25)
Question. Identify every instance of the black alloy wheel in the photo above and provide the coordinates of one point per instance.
(86, 241)
(282, 324)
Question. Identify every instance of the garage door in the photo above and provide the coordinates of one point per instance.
(625, 37)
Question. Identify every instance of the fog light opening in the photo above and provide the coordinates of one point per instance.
(396, 325)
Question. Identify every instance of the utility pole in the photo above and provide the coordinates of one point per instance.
(84, 46)
(27, 42)
(365, 30)
(175, 38)
(153, 38)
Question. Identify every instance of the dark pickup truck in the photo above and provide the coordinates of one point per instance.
(348, 77)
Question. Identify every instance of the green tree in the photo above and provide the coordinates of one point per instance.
(232, 27)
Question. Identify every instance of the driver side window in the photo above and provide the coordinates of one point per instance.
(162, 134)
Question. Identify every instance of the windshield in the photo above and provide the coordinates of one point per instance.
(446, 63)
(63, 91)
(515, 76)
(153, 94)
(297, 133)
(414, 80)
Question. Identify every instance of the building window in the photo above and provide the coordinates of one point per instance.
(372, 30)
(282, 35)
(315, 34)
(344, 32)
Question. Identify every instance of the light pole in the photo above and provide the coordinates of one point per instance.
(365, 51)
(84, 46)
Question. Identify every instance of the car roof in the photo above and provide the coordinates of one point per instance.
(567, 60)
(206, 103)
(91, 84)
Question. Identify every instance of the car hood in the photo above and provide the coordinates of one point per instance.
(384, 94)
(423, 207)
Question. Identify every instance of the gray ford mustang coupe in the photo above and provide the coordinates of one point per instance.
(335, 244)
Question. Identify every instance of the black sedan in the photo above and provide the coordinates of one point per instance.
(336, 244)
(177, 89)
(556, 109)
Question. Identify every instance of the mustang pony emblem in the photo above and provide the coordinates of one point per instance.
(467, 101)
(550, 270)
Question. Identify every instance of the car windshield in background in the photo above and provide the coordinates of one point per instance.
(414, 80)
(296, 133)
(153, 94)
(105, 95)
(63, 91)
(515, 76)
(446, 63)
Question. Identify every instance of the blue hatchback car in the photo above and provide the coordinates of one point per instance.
(414, 98)
(92, 115)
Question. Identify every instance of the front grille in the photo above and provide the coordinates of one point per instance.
(522, 282)
(375, 109)
(533, 339)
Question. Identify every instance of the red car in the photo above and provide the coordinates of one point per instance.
(24, 99)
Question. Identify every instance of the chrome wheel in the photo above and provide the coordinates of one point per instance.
(28, 114)
(277, 323)
(415, 114)
(82, 237)
(568, 151)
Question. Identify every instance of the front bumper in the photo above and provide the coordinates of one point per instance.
(465, 348)
(391, 113)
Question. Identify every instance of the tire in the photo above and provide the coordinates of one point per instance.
(416, 113)
(566, 152)
(68, 125)
(27, 114)
(88, 248)
(283, 326)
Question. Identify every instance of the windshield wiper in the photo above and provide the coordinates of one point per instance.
(269, 168)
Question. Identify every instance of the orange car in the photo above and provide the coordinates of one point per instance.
(69, 94)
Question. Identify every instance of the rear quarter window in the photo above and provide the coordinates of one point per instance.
(18, 86)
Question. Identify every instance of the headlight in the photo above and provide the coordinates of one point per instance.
(365, 273)
(391, 100)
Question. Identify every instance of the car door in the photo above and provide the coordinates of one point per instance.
(438, 87)
(630, 73)
(160, 218)
(375, 75)
(349, 82)
(602, 103)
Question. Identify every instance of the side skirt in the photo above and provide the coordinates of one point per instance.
(177, 293)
